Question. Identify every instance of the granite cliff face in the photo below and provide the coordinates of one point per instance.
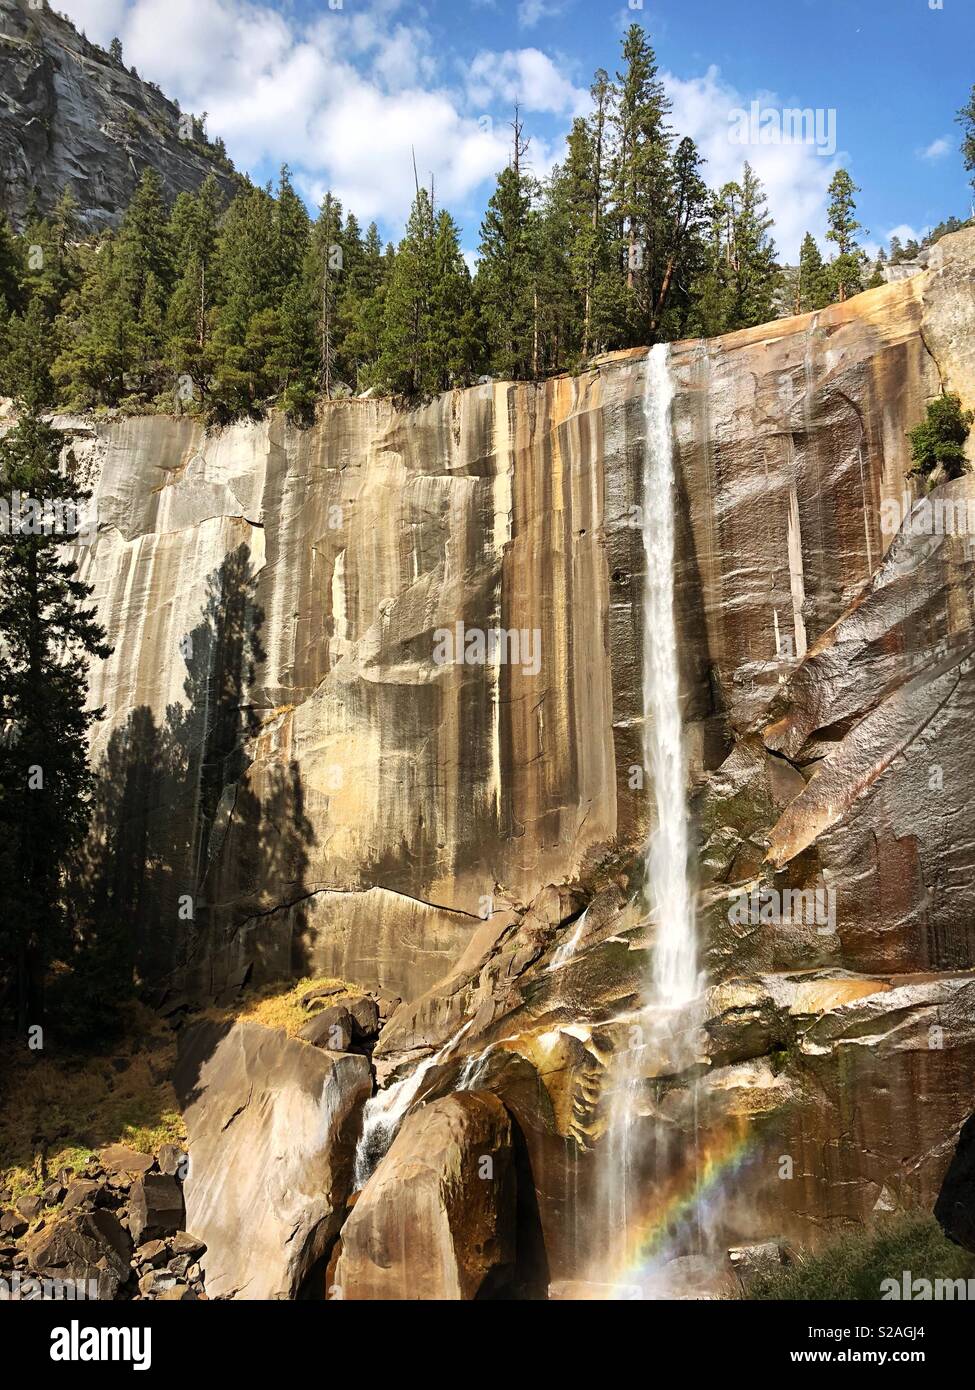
(308, 783)
(71, 117)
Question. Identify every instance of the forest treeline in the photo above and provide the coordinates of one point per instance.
(227, 309)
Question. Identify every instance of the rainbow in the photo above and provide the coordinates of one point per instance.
(680, 1201)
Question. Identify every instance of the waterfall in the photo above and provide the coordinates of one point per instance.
(385, 1111)
(568, 948)
(675, 979)
(641, 1155)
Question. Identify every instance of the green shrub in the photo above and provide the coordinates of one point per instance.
(940, 438)
(853, 1267)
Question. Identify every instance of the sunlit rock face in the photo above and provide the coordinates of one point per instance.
(438, 1222)
(294, 778)
(271, 1124)
(325, 790)
(305, 783)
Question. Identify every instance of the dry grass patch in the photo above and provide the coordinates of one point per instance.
(57, 1110)
(277, 1006)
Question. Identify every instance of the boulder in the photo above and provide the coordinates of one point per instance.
(365, 1018)
(118, 1159)
(437, 1218)
(751, 1262)
(183, 1243)
(332, 1029)
(387, 1004)
(83, 1246)
(13, 1224)
(171, 1160)
(272, 1126)
(153, 1253)
(80, 1191)
(155, 1283)
(315, 998)
(29, 1207)
(155, 1206)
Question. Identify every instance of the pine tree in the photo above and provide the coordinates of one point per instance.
(293, 227)
(453, 339)
(938, 441)
(877, 280)
(578, 234)
(574, 243)
(30, 355)
(194, 231)
(90, 368)
(403, 360)
(562, 251)
(293, 358)
(325, 274)
(48, 634)
(755, 272)
(642, 192)
(244, 330)
(143, 247)
(361, 310)
(10, 267)
(812, 285)
(847, 267)
(683, 242)
(113, 328)
(51, 268)
(506, 286)
(710, 308)
(10, 292)
(966, 119)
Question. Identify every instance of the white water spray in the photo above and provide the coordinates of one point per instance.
(568, 948)
(675, 975)
(385, 1111)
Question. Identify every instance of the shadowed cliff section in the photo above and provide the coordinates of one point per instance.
(174, 815)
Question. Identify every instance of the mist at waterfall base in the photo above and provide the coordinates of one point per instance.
(659, 1176)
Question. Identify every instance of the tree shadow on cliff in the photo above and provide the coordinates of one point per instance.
(193, 845)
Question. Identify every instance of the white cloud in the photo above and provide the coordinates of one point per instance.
(345, 99)
(905, 233)
(375, 176)
(795, 176)
(937, 148)
(98, 19)
(525, 75)
(532, 12)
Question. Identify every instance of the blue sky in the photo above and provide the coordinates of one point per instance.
(343, 89)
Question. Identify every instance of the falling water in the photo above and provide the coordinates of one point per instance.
(638, 1152)
(385, 1111)
(675, 979)
(568, 948)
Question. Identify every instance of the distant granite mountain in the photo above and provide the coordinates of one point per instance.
(73, 116)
